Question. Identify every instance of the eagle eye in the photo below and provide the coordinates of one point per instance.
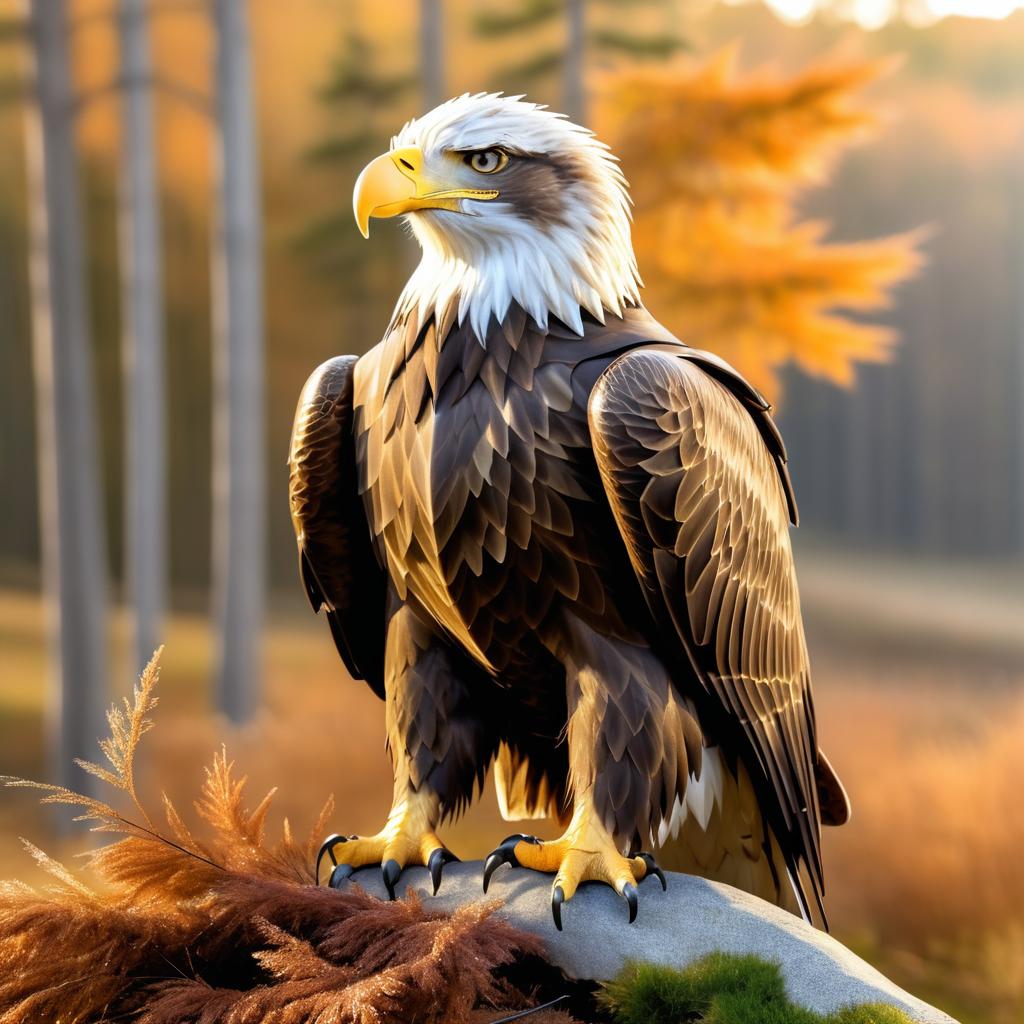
(487, 161)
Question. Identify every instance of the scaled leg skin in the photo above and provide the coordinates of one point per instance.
(585, 852)
(440, 749)
(630, 746)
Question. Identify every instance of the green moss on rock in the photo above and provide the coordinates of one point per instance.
(723, 988)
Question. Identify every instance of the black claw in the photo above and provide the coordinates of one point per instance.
(390, 870)
(493, 862)
(653, 869)
(436, 862)
(327, 847)
(557, 899)
(629, 895)
(340, 875)
(504, 854)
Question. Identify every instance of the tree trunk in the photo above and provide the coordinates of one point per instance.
(431, 52)
(574, 90)
(142, 341)
(238, 474)
(1017, 538)
(71, 528)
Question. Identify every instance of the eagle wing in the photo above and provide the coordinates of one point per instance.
(337, 561)
(695, 473)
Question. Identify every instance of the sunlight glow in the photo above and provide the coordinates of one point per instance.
(975, 8)
(872, 14)
(793, 10)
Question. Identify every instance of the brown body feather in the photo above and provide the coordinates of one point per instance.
(579, 538)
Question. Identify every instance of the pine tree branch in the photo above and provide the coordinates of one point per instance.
(536, 67)
(638, 46)
(339, 147)
(536, 12)
(352, 83)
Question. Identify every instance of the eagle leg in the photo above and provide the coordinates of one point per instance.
(586, 852)
(440, 748)
(407, 838)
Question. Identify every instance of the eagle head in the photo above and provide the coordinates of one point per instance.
(510, 202)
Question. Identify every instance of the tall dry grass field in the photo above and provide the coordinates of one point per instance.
(929, 876)
(927, 881)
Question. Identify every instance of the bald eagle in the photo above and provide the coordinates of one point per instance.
(555, 539)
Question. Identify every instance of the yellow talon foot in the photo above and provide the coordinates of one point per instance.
(393, 848)
(586, 853)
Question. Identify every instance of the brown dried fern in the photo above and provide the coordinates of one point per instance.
(232, 929)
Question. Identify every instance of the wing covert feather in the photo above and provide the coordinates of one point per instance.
(698, 487)
(336, 557)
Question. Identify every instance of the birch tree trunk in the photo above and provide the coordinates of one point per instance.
(432, 52)
(142, 340)
(71, 528)
(574, 89)
(1018, 536)
(238, 473)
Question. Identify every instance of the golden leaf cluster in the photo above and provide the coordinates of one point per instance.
(716, 161)
(233, 929)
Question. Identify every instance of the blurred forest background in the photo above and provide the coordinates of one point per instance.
(833, 200)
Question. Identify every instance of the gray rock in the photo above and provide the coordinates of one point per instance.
(693, 918)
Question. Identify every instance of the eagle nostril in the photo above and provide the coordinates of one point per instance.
(405, 163)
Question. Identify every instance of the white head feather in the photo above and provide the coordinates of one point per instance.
(490, 254)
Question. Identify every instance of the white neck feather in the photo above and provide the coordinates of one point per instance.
(556, 270)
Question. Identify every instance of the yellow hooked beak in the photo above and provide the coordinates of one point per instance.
(394, 183)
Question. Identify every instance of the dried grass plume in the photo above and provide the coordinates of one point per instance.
(165, 928)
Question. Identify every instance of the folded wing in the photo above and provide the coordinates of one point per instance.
(336, 557)
(695, 474)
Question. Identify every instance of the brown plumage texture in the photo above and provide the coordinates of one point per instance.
(587, 537)
(695, 486)
(329, 522)
(167, 928)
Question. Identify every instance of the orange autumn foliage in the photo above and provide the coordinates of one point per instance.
(716, 162)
